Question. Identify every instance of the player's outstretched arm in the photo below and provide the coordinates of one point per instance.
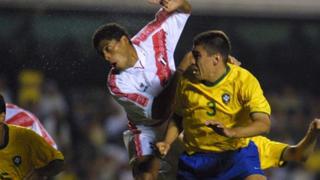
(302, 150)
(173, 5)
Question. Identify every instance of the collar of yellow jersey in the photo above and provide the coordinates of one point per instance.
(208, 83)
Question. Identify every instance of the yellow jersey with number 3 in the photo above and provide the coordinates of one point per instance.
(22, 151)
(229, 100)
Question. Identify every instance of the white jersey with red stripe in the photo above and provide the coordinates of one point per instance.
(136, 87)
(18, 116)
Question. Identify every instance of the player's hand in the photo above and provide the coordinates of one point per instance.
(220, 129)
(154, 1)
(233, 60)
(187, 61)
(315, 126)
(168, 5)
(163, 148)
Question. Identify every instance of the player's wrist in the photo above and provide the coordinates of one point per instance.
(233, 133)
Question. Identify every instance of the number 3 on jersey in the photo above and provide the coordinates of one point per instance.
(212, 106)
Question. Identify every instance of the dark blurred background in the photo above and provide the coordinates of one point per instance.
(49, 67)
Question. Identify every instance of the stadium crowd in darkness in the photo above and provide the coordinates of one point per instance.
(60, 81)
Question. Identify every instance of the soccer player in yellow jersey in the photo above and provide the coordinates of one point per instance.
(24, 154)
(211, 106)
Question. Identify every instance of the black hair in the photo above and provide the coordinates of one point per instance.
(2, 105)
(214, 41)
(110, 31)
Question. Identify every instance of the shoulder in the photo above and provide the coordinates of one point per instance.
(241, 74)
(19, 133)
(19, 130)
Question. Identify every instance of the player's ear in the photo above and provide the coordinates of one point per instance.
(124, 39)
(216, 58)
(2, 117)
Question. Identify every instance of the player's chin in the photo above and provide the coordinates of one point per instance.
(197, 75)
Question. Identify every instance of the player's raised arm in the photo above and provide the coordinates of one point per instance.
(305, 147)
(173, 5)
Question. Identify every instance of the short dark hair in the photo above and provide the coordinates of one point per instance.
(110, 31)
(2, 105)
(214, 41)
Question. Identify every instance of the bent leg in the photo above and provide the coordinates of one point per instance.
(146, 168)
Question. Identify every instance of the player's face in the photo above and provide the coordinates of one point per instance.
(203, 63)
(116, 53)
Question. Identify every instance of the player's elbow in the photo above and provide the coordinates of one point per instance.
(262, 122)
(265, 126)
(267, 129)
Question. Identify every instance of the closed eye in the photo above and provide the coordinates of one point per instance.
(196, 55)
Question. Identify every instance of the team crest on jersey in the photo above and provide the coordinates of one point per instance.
(143, 87)
(16, 160)
(226, 98)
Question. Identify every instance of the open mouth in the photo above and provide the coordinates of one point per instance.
(194, 70)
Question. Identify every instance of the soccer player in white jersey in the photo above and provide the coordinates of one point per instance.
(143, 78)
(18, 116)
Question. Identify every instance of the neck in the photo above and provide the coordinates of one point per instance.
(133, 56)
(218, 73)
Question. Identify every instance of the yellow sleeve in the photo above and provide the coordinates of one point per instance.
(42, 153)
(253, 97)
(270, 152)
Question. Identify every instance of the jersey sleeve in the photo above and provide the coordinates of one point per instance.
(253, 97)
(174, 26)
(270, 152)
(171, 23)
(42, 153)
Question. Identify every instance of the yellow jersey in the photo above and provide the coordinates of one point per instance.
(270, 152)
(23, 151)
(229, 100)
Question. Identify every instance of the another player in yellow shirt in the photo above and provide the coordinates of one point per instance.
(275, 154)
(24, 154)
(211, 106)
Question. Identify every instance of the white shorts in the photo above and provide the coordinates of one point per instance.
(140, 140)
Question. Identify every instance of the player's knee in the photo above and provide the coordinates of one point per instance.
(256, 177)
(143, 165)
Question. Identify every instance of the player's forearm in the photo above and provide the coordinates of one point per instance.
(52, 169)
(256, 128)
(172, 133)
